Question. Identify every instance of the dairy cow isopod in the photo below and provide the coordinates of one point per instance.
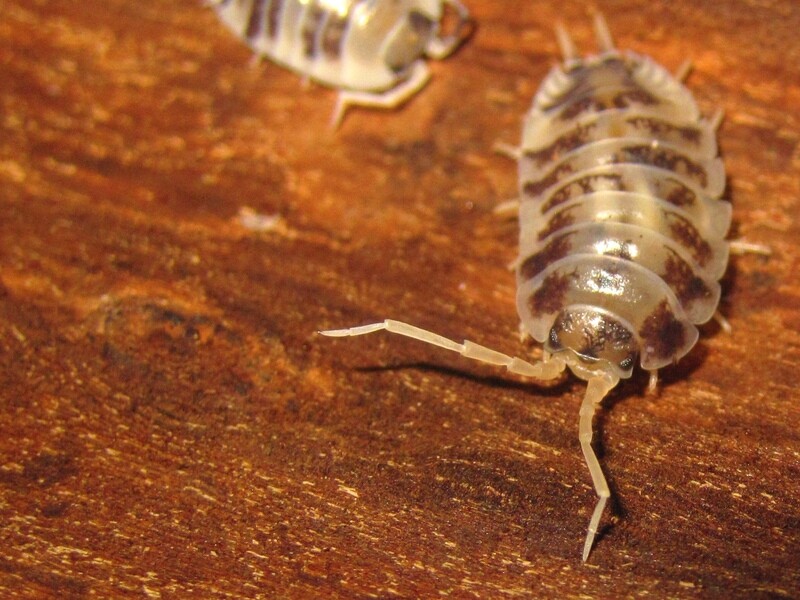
(622, 229)
(373, 51)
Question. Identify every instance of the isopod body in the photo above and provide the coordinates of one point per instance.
(622, 230)
(372, 50)
(622, 235)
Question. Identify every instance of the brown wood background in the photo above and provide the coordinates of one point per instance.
(172, 426)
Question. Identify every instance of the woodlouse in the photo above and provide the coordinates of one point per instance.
(372, 50)
(622, 229)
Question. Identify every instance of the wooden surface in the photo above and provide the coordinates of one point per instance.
(172, 426)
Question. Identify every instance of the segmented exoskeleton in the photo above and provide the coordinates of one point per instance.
(621, 229)
(372, 50)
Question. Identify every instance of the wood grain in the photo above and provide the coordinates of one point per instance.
(172, 426)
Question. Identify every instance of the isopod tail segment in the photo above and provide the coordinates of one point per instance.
(440, 47)
(598, 386)
(437, 47)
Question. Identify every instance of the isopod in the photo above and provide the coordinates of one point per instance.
(622, 229)
(373, 51)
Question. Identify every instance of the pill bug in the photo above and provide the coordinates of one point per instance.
(622, 232)
(372, 50)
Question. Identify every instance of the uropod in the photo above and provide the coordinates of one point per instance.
(373, 51)
(622, 232)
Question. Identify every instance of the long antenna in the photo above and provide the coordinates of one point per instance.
(596, 390)
(543, 370)
(604, 40)
(565, 43)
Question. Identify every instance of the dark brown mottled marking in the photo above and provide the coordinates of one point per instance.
(681, 278)
(579, 107)
(561, 219)
(662, 127)
(549, 296)
(536, 263)
(627, 98)
(662, 332)
(420, 24)
(535, 188)
(600, 84)
(312, 21)
(686, 233)
(679, 195)
(601, 87)
(587, 184)
(333, 36)
(274, 17)
(663, 158)
(255, 23)
(618, 99)
(564, 144)
(418, 28)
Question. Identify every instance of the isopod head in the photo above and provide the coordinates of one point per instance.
(591, 341)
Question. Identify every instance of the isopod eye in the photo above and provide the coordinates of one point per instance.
(593, 341)
(409, 41)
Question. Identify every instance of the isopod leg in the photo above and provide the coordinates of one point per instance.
(542, 370)
(738, 247)
(682, 72)
(596, 390)
(387, 99)
(742, 247)
(523, 333)
(507, 209)
(507, 150)
(652, 384)
(716, 119)
(722, 322)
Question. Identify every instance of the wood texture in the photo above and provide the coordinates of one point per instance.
(172, 426)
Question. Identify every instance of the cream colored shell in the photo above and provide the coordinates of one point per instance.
(619, 212)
